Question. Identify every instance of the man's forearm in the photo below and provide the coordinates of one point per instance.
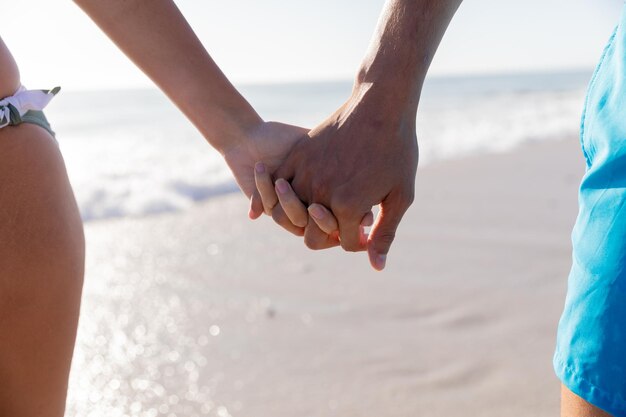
(158, 39)
(401, 50)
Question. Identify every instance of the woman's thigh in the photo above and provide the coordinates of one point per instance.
(41, 273)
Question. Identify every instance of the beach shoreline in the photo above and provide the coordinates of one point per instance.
(204, 312)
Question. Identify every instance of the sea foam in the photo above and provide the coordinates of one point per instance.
(131, 153)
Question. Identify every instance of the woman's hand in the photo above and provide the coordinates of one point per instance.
(269, 142)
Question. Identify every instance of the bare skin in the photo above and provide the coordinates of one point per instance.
(366, 153)
(41, 266)
(41, 235)
(180, 66)
(9, 73)
(378, 164)
(41, 273)
(574, 406)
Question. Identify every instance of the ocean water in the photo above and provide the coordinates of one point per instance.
(131, 152)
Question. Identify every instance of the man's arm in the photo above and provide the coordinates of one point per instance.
(366, 152)
(401, 51)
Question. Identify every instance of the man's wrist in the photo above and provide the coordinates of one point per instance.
(386, 100)
(400, 53)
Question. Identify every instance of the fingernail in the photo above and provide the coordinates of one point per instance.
(316, 211)
(380, 261)
(282, 186)
(259, 167)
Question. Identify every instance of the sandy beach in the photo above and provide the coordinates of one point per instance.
(204, 312)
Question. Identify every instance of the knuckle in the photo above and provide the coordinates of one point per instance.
(343, 207)
(328, 227)
(313, 242)
(350, 246)
(350, 203)
(409, 198)
(297, 214)
(281, 218)
(269, 208)
(386, 238)
(301, 222)
(278, 215)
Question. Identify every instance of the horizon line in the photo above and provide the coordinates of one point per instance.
(337, 80)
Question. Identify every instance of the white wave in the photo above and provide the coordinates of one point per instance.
(131, 153)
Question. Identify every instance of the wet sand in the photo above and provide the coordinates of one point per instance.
(204, 312)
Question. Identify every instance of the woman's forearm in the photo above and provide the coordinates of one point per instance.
(158, 39)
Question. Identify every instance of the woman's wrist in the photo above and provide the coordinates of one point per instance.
(231, 130)
(223, 117)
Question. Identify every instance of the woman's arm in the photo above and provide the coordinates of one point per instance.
(158, 39)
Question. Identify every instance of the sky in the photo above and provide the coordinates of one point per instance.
(283, 41)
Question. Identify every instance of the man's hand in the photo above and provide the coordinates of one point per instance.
(366, 152)
(359, 157)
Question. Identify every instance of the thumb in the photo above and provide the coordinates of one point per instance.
(384, 231)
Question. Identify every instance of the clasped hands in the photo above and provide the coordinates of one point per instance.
(322, 184)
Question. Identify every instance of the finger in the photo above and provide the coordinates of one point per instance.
(368, 219)
(256, 206)
(350, 233)
(384, 231)
(323, 218)
(317, 239)
(327, 222)
(280, 217)
(291, 204)
(265, 187)
(363, 237)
